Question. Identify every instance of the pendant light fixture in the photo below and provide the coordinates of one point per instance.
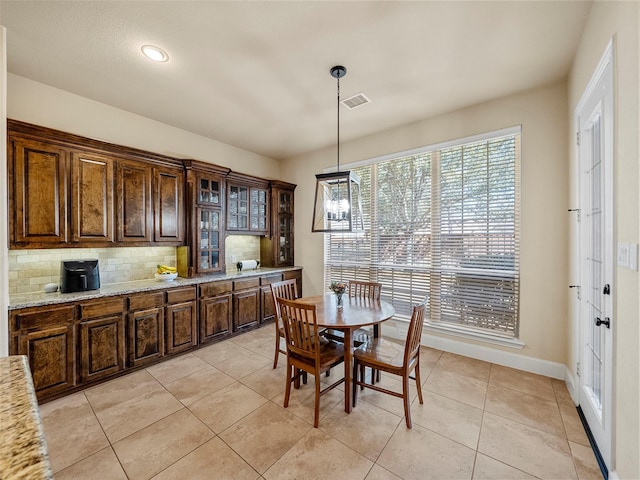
(338, 203)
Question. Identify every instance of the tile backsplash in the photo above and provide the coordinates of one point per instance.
(241, 247)
(31, 270)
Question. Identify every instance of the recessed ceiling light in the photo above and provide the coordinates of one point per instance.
(154, 53)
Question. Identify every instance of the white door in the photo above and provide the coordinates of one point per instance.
(594, 118)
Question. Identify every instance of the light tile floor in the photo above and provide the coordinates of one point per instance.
(217, 413)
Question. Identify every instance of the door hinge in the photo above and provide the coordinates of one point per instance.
(578, 368)
(577, 210)
(578, 138)
(577, 287)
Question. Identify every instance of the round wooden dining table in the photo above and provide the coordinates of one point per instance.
(355, 313)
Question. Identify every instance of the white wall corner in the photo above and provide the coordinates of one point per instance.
(572, 385)
(4, 208)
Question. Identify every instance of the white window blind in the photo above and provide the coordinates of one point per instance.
(442, 222)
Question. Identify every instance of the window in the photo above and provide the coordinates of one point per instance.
(441, 221)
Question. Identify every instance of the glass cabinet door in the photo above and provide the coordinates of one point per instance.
(258, 209)
(209, 190)
(209, 240)
(285, 240)
(285, 200)
(238, 208)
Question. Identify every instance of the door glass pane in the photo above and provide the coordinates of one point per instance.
(594, 257)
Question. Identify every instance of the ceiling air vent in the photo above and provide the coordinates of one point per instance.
(355, 101)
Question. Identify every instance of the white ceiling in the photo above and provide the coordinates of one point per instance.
(256, 74)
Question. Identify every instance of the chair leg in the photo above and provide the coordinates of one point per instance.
(275, 360)
(362, 376)
(418, 381)
(354, 379)
(296, 379)
(287, 392)
(405, 397)
(316, 417)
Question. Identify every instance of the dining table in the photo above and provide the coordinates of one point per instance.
(354, 313)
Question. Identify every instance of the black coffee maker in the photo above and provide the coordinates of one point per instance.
(79, 275)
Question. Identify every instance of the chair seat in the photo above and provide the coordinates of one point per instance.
(380, 352)
(331, 354)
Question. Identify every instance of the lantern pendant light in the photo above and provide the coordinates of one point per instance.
(338, 203)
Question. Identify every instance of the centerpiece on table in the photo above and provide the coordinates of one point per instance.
(338, 288)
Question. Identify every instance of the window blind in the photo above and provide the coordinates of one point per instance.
(442, 223)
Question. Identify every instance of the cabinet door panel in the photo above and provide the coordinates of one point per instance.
(246, 308)
(267, 306)
(92, 198)
(169, 207)
(146, 336)
(135, 212)
(182, 331)
(102, 347)
(215, 317)
(40, 192)
(51, 353)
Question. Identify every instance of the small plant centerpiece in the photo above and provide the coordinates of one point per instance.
(339, 288)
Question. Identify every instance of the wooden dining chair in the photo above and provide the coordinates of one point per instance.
(386, 356)
(287, 289)
(306, 350)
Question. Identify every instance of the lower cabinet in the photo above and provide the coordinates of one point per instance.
(267, 305)
(72, 345)
(146, 336)
(215, 310)
(145, 324)
(48, 338)
(246, 303)
(102, 339)
(182, 320)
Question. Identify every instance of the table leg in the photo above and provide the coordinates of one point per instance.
(348, 360)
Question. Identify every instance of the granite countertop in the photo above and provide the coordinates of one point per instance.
(23, 449)
(37, 299)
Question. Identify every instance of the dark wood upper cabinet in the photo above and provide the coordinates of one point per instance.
(92, 198)
(38, 186)
(169, 205)
(276, 249)
(135, 211)
(247, 204)
(205, 197)
(72, 191)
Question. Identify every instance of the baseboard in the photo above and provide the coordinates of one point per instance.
(480, 352)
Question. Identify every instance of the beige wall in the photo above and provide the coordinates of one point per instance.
(542, 114)
(619, 20)
(40, 104)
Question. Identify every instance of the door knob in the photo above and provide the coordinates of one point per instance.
(606, 322)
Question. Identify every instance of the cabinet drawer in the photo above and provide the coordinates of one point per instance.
(111, 306)
(147, 300)
(41, 317)
(246, 283)
(215, 288)
(268, 280)
(179, 295)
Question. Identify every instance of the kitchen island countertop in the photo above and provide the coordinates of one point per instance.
(23, 449)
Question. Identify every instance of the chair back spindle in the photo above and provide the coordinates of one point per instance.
(370, 290)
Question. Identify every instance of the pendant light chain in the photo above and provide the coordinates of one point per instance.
(338, 122)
